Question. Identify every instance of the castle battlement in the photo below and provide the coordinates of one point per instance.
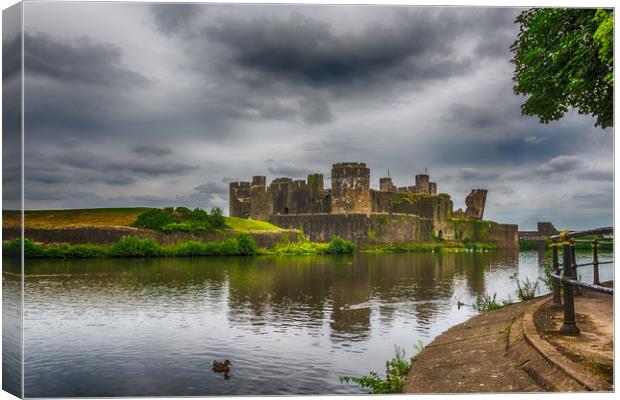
(350, 193)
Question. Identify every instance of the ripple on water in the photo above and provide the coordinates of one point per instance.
(128, 328)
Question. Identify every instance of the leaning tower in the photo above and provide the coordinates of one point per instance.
(350, 188)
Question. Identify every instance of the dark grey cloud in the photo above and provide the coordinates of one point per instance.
(560, 164)
(151, 150)
(289, 170)
(88, 161)
(473, 174)
(11, 57)
(597, 174)
(220, 89)
(174, 18)
(79, 60)
(308, 51)
(212, 188)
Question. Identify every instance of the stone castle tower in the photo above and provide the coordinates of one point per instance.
(350, 188)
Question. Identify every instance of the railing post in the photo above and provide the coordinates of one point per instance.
(573, 257)
(569, 327)
(557, 302)
(595, 262)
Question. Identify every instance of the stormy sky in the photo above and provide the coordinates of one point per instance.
(154, 105)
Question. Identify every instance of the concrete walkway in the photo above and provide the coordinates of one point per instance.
(502, 351)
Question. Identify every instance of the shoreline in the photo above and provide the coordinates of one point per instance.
(241, 244)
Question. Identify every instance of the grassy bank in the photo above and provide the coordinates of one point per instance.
(448, 246)
(133, 246)
(108, 218)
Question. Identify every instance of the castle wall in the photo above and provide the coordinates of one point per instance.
(261, 204)
(350, 188)
(109, 235)
(505, 236)
(300, 198)
(239, 199)
(381, 201)
(280, 190)
(475, 202)
(363, 229)
(386, 185)
(422, 184)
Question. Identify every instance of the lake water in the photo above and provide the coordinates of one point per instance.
(290, 325)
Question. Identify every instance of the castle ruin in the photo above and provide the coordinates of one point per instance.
(351, 201)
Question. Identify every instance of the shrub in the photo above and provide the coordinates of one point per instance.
(229, 247)
(133, 246)
(191, 248)
(177, 227)
(181, 219)
(487, 303)
(247, 246)
(154, 219)
(84, 251)
(526, 290)
(12, 248)
(32, 250)
(396, 371)
(216, 218)
(339, 245)
(183, 212)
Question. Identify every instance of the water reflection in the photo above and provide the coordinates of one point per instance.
(290, 325)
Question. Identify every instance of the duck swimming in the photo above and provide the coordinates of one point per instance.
(221, 367)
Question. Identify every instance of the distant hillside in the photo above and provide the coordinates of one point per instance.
(106, 218)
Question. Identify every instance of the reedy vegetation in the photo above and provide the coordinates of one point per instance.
(396, 370)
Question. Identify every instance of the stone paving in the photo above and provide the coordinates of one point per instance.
(492, 352)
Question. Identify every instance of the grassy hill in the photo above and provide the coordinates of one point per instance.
(106, 217)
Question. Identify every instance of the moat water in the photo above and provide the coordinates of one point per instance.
(290, 325)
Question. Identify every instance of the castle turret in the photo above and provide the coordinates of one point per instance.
(475, 202)
(422, 184)
(386, 185)
(261, 205)
(239, 201)
(350, 188)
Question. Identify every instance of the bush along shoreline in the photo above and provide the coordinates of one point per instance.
(241, 244)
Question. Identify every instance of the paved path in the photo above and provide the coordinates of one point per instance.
(502, 351)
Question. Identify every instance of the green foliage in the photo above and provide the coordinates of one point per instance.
(548, 270)
(216, 218)
(297, 248)
(529, 245)
(134, 246)
(488, 303)
(192, 248)
(83, 251)
(247, 246)
(563, 58)
(526, 290)
(35, 250)
(437, 246)
(411, 198)
(177, 227)
(181, 219)
(396, 371)
(155, 219)
(13, 248)
(471, 245)
(339, 245)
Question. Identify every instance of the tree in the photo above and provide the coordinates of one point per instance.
(564, 58)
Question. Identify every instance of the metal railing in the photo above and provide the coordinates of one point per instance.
(566, 278)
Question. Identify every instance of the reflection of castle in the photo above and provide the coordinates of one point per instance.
(350, 193)
(354, 211)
